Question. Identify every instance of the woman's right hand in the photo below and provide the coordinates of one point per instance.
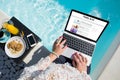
(79, 62)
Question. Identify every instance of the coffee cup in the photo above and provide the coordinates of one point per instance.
(2, 34)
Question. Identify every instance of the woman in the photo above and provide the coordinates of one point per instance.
(45, 69)
(74, 28)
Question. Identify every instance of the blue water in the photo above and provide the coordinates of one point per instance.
(47, 18)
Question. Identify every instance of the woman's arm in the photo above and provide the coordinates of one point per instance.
(58, 49)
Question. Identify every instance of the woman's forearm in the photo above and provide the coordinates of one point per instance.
(58, 49)
(45, 62)
(41, 65)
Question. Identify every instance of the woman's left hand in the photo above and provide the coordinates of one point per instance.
(59, 46)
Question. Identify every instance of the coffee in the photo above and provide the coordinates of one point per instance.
(1, 34)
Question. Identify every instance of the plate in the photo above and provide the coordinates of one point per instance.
(15, 47)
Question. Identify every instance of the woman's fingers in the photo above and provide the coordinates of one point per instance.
(80, 62)
(58, 46)
(59, 40)
(86, 60)
(73, 60)
(83, 58)
(73, 63)
(79, 57)
(65, 47)
(76, 59)
(63, 42)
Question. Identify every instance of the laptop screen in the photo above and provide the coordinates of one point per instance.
(86, 26)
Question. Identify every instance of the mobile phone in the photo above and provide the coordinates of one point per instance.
(31, 40)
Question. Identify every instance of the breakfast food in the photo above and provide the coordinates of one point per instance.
(11, 28)
(14, 46)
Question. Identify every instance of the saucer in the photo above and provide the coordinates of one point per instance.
(6, 37)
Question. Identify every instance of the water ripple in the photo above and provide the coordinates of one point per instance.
(47, 18)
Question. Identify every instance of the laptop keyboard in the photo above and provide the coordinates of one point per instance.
(79, 45)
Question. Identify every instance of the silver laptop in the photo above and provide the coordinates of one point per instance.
(82, 32)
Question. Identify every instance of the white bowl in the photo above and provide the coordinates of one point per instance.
(18, 54)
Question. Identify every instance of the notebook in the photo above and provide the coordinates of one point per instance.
(82, 32)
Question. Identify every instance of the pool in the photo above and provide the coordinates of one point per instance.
(47, 18)
(40, 16)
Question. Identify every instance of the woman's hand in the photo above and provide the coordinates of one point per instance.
(58, 46)
(79, 62)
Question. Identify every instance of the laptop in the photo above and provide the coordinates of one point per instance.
(82, 32)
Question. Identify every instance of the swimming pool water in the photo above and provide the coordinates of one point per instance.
(47, 18)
